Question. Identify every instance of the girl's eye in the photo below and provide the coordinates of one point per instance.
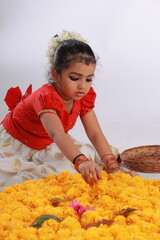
(89, 79)
(73, 78)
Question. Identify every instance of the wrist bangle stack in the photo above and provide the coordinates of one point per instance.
(79, 155)
(79, 160)
(110, 165)
(107, 154)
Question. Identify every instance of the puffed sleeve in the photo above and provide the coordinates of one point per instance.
(47, 100)
(88, 102)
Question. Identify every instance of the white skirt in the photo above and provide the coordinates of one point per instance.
(19, 162)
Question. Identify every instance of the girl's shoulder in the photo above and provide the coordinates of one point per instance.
(47, 90)
(46, 97)
(89, 97)
(88, 101)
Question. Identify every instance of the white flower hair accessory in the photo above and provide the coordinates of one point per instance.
(65, 35)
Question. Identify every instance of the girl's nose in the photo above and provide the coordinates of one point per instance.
(81, 84)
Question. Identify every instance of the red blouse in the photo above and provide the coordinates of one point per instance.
(23, 122)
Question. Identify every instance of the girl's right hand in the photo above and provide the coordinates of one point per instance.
(90, 171)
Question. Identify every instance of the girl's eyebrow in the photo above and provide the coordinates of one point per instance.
(81, 74)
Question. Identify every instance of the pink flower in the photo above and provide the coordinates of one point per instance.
(79, 209)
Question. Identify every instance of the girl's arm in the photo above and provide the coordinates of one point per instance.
(98, 140)
(100, 143)
(54, 128)
(95, 133)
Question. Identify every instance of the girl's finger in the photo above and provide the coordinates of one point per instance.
(91, 173)
(99, 173)
(94, 175)
(133, 174)
(86, 176)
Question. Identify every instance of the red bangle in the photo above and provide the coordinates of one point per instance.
(79, 161)
(107, 154)
(79, 155)
(110, 165)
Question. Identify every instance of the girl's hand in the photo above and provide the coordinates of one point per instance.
(132, 173)
(112, 166)
(90, 172)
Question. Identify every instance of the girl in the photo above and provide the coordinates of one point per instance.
(34, 135)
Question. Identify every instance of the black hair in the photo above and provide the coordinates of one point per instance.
(70, 51)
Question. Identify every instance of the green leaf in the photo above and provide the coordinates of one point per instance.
(41, 219)
(126, 211)
(56, 201)
(96, 224)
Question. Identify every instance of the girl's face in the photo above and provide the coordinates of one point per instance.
(75, 81)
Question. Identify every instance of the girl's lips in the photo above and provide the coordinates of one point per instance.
(79, 94)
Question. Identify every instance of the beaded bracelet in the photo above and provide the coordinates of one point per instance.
(79, 160)
(79, 155)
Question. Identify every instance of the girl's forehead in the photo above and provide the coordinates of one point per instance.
(81, 68)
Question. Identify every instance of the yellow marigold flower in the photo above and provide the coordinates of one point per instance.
(17, 232)
(49, 210)
(123, 235)
(105, 175)
(142, 204)
(56, 190)
(155, 236)
(147, 214)
(156, 217)
(120, 219)
(51, 224)
(133, 229)
(91, 233)
(74, 192)
(78, 232)
(105, 213)
(104, 232)
(132, 219)
(64, 176)
(90, 217)
(70, 212)
(77, 178)
(115, 229)
(154, 200)
(51, 176)
(45, 234)
(85, 197)
(148, 227)
(4, 233)
(64, 233)
(70, 222)
(57, 211)
(139, 236)
(4, 217)
(10, 237)
(108, 202)
(29, 233)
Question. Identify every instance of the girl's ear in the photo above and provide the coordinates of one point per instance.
(54, 75)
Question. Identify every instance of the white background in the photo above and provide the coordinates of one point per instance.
(125, 34)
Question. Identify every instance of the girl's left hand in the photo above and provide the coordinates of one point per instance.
(90, 172)
(132, 173)
(112, 166)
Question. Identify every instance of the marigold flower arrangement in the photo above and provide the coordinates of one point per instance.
(118, 207)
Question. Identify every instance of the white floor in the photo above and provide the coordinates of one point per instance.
(150, 175)
(146, 175)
